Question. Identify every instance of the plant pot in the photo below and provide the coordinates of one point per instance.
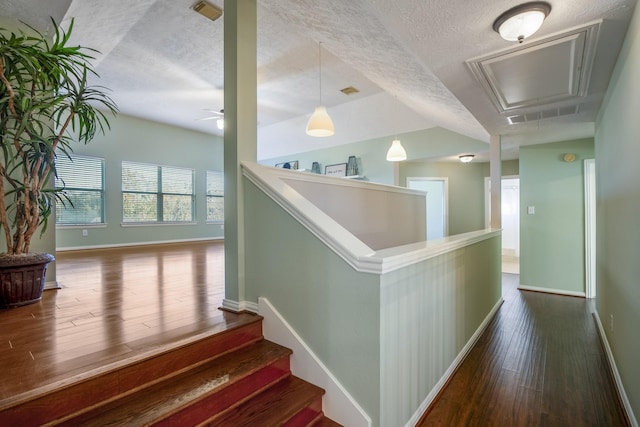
(22, 278)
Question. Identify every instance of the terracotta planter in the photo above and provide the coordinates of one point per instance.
(22, 278)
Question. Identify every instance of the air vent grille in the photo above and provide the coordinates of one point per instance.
(207, 10)
(350, 90)
(544, 114)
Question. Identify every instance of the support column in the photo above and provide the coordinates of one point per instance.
(240, 136)
(496, 181)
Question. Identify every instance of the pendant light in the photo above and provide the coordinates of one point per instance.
(320, 124)
(522, 21)
(220, 121)
(396, 152)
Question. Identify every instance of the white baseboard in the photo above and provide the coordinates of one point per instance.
(239, 306)
(614, 370)
(126, 245)
(552, 291)
(452, 368)
(52, 284)
(337, 403)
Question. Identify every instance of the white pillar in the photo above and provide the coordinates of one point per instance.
(240, 135)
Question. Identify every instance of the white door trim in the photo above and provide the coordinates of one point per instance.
(590, 227)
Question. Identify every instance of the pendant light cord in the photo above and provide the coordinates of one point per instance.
(320, 68)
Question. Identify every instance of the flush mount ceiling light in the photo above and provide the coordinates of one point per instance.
(522, 21)
(396, 152)
(320, 124)
(466, 158)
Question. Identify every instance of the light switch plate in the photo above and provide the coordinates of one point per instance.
(531, 210)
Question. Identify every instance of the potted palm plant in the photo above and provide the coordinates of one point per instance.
(46, 106)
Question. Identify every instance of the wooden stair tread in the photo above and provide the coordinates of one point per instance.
(165, 398)
(274, 406)
(326, 422)
(42, 381)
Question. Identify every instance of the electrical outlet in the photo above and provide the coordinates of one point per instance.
(611, 322)
(531, 210)
(85, 232)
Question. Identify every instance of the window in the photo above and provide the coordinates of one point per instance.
(152, 193)
(82, 179)
(215, 196)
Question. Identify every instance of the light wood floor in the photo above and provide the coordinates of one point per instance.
(538, 364)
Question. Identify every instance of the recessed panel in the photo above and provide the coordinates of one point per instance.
(539, 74)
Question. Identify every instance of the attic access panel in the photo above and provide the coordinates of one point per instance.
(552, 70)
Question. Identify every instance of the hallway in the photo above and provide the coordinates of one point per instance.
(539, 363)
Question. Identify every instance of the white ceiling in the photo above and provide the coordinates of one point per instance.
(411, 60)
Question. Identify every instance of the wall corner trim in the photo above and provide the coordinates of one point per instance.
(237, 307)
(614, 371)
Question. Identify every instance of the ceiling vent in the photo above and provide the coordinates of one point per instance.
(349, 90)
(544, 114)
(556, 69)
(207, 10)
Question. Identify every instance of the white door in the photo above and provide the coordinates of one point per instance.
(437, 193)
(510, 216)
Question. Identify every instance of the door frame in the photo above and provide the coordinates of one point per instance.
(590, 227)
(446, 196)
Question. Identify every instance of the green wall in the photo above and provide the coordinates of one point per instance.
(371, 154)
(618, 212)
(466, 190)
(334, 308)
(552, 239)
(146, 142)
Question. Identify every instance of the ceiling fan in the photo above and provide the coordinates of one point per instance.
(218, 116)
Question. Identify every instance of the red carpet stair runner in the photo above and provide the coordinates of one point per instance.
(230, 378)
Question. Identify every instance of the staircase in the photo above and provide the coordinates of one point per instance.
(232, 377)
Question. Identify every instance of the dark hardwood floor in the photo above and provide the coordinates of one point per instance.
(539, 363)
(114, 303)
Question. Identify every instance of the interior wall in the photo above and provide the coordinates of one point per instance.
(618, 211)
(371, 154)
(466, 190)
(144, 141)
(552, 238)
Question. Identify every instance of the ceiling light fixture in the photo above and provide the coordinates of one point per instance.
(522, 21)
(466, 158)
(220, 121)
(320, 124)
(396, 152)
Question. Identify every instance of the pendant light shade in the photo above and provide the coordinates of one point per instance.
(522, 21)
(320, 124)
(466, 158)
(220, 123)
(396, 152)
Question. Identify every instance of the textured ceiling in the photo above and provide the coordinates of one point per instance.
(408, 59)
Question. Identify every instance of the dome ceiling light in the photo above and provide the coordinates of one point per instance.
(522, 21)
